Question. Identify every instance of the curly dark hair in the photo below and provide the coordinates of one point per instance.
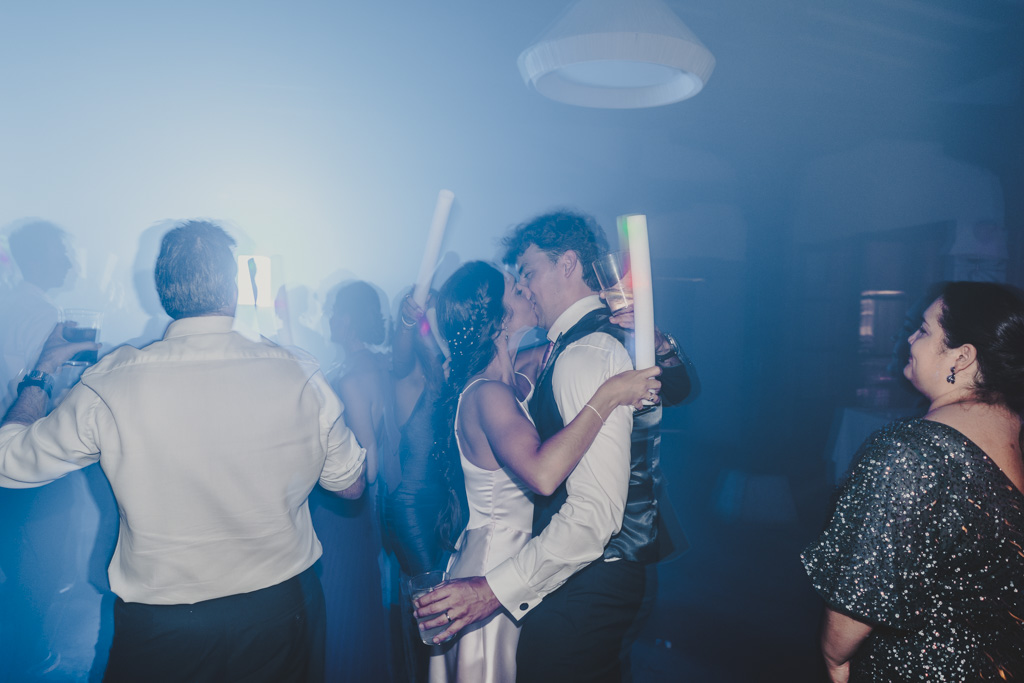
(556, 233)
(359, 301)
(470, 313)
(990, 317)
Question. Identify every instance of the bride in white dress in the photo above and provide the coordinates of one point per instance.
(488, 446)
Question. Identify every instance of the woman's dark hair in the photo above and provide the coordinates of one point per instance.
(196, 270)
(359, 301)
(470, 312)
(990, 317)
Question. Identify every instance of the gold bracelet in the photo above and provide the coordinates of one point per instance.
(587, 405)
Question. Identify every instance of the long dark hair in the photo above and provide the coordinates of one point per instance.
(470, 312)
(989, 316)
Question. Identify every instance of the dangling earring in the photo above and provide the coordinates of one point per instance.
(952, 375)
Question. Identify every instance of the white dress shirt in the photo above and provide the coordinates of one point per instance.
(596, 488)
(212, 444)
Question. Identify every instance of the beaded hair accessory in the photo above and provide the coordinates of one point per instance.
(463, 341)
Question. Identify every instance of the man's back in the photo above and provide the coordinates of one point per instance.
(211, 443)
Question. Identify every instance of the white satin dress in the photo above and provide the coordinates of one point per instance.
(500, 524)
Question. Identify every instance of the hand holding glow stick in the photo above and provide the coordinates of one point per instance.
(433, 249)
(635, 228)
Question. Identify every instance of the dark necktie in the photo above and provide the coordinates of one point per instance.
(547, 355)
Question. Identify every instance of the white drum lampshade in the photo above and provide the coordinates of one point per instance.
(617, 54)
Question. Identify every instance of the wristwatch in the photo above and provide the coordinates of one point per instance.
(38, 378)
(673, 350)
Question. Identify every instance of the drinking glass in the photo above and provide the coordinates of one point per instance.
(616, 287)
(86, 329)
(421, 585)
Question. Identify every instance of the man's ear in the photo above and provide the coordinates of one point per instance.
(568, 262)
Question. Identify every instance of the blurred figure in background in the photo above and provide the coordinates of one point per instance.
(145, 289)
(357, 585)
(364, 383)
(410, 510)
(304, 320)
(27, 313)
(921, 564)
(38, 545)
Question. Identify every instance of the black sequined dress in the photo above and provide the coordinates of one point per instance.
(927, 544)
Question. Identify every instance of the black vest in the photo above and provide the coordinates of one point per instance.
(647, 533)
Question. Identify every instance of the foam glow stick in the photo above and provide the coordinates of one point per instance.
(436, 331)
(433, 250)
(635, 228)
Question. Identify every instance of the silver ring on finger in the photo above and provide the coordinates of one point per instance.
(448, 616)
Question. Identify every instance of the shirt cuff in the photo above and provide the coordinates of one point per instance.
(338, 478)
(511, 590)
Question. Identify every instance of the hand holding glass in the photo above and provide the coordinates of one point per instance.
(616, 286)
(85, 329)
(421, 585)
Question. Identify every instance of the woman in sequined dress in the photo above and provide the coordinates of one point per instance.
(922, 563)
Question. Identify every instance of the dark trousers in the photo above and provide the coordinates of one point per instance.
(577, 632)
(275, 634)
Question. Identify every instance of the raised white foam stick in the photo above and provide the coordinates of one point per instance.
(433, 250)
(436, 331)
(643, 290)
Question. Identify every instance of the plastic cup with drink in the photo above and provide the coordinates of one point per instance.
(419, 586)
(616, 287)
(86, 328)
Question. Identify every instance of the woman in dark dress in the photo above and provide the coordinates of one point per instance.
(410, 510)
(357, 630)
(922, 564)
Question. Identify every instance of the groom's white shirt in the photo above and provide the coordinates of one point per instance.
(597, 488)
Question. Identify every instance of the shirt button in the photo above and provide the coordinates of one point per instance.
(524, 606)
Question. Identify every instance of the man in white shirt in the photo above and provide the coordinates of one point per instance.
(212, 444)
(593, 539)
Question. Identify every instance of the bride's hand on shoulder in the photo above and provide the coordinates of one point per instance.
(633, 387)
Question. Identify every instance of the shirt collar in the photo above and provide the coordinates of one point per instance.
(573, 315)
(202, 324)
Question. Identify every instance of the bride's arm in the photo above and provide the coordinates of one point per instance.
(543, 466)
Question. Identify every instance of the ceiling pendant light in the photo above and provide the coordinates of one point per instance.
(617, 54)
